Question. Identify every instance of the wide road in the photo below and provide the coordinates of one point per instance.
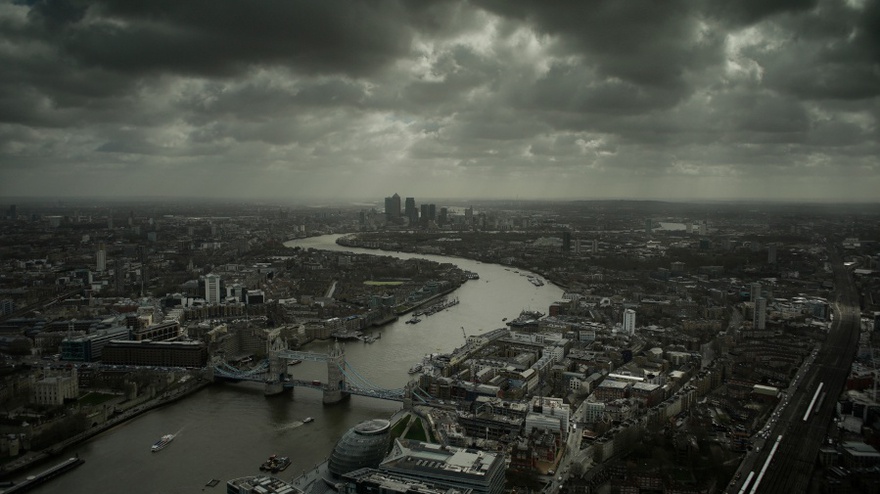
(792, 464)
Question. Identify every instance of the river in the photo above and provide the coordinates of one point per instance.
(227, 430)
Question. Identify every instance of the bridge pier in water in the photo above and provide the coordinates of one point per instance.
(276, 375)
(334, 390)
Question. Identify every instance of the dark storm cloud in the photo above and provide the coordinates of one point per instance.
(225, 38)
(565, 98)
(642, 41)
(746, 12)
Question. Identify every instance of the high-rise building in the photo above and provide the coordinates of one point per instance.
(566, 241)
(101, 258)
(759, 319)
(429, 214)
(444, 217)
(212, 289)
(392, 208)
(648, 226)
(410, 211)
(629, 322)
(755, 291)
(771, 254)
(119, 270)
(13, 215)
(595, 246)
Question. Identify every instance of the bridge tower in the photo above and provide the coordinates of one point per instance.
(277, 375)
(334, 391)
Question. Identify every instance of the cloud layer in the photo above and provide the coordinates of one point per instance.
(306, 100)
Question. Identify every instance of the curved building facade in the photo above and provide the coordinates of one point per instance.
(364, 445)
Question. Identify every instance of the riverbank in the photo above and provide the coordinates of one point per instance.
(344, 241)
(34, 458)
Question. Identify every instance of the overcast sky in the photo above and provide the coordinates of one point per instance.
(702, 99)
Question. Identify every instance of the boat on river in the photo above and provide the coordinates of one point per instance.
(275, 464)
(162, 443)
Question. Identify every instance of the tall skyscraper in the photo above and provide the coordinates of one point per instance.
(759, 319)
(648, 226)
(771, 254)
(629, 322)
(119, 270)
(755, 291)
(101, 258)
(566, 241)
(392, 208)
(212, 289)
(410, 211)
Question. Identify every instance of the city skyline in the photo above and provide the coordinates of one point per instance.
(484, 99)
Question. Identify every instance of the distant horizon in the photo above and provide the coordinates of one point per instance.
(6, 201)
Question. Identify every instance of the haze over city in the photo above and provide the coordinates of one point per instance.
(641, 99)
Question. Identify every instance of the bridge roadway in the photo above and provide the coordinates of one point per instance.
(352, 384)
(792, 466)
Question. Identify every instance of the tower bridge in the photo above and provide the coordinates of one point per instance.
(342, 381)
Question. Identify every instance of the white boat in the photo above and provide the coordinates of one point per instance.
(415, 368)
(161, 443)
(308, 419)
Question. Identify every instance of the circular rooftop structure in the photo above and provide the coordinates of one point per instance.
(364, 445)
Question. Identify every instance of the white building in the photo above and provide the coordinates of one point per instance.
(212, 289)
(54, 390)
(629, 322)
(101, 259)
(548, 413)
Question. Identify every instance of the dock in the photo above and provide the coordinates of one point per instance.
(45, 476)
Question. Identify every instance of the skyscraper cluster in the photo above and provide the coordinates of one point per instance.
(423, 216)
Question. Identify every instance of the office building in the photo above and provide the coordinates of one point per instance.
(89, 348)
(550, 414)
(759, 320)
(482, 472)
(410, 211)
(212, 289)
(649, 226)
(392, 208)
(101, 259)
(629, 322)
(566, 241)
(156, 353)
(429, 214)
(755, 291)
